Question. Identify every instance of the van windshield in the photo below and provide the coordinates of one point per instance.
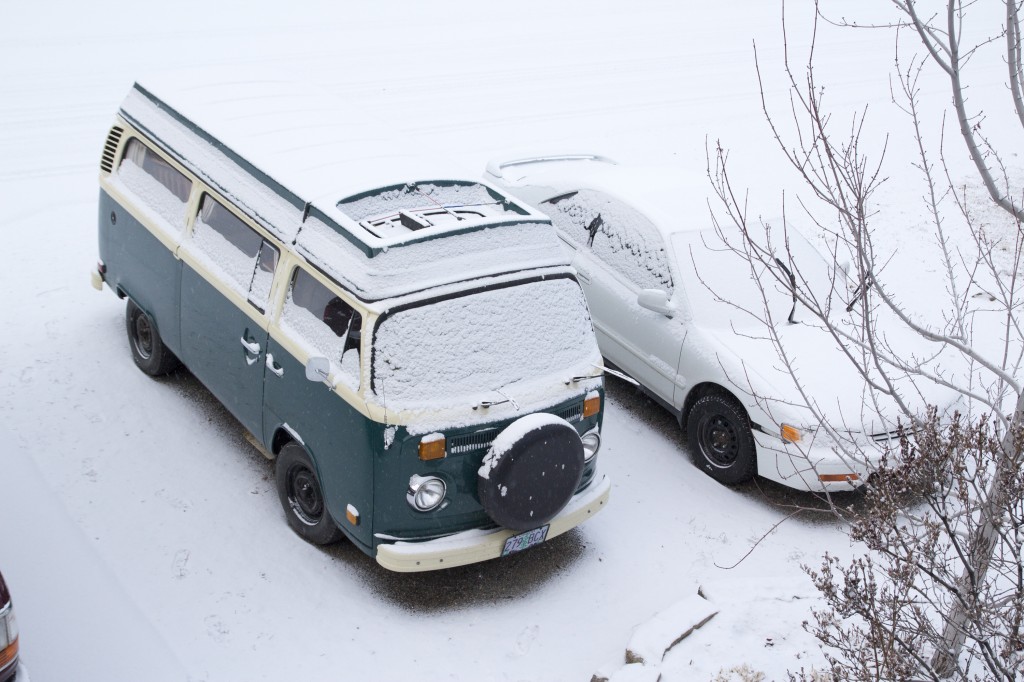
(513, 341)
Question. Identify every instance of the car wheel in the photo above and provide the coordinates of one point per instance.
(148, 350)
(720, 439)
(302, 497)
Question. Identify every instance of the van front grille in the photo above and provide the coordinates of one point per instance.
(110, 148)
(481, 440)
(572, 413)
(472, 442)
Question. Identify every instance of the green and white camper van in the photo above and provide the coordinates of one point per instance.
(412, 348)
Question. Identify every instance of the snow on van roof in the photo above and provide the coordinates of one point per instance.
(345, 193)
(674, 198)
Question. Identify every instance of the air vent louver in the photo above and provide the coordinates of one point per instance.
(110, 148)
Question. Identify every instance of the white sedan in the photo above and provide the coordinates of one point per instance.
(681, 313)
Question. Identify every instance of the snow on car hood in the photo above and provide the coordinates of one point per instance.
(733, 303)
(818, 373)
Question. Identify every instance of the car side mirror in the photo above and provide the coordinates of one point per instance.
(318, 368)
(656, 300)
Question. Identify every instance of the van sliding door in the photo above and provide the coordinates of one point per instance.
(225, 287)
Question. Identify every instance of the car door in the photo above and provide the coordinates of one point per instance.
(621, 253)
(225, 288)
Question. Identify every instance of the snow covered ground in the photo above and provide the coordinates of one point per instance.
(141, 534)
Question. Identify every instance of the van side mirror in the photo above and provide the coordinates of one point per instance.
(318, 368)
(656, 300)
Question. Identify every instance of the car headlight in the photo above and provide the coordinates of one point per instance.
(591, 444)
(426, 493)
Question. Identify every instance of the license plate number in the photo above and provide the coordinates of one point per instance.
(517, 543)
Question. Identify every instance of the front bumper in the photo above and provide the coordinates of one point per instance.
(15, 673)
(473, 546)
(819, 466)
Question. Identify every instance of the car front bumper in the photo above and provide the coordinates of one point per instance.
(820, 466)
(480, 545)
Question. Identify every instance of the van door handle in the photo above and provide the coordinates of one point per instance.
(583, 275)
(253, 347)
(274, 367)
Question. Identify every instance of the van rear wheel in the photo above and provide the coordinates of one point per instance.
(302, 497)
(148, 350)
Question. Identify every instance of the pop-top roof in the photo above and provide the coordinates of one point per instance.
(397, 211)
(382, 219)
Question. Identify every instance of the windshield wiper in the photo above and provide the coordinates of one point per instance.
(604, 370)
(792, 288)
(861, 288)
(491, 403)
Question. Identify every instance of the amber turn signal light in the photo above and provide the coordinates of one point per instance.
(790, 434)
(9, 654)
(591, 406)
(434, 448)
(838, 478)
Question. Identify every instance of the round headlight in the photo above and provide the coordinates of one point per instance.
(426, 493)
(591, 444)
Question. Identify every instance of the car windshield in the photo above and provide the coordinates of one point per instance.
(509, 341)
(724, 290)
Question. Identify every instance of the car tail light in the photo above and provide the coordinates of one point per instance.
(8, 636)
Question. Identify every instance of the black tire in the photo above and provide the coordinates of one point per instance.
(148, 350)
(302, 497)
(720, 440)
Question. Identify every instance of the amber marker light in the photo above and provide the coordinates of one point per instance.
(432, 447)
(838, 478)
(790, 434)
(352, 514)
(591, 406)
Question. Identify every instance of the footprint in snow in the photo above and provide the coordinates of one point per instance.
(180, 563)
(216, 629)
(525, 640)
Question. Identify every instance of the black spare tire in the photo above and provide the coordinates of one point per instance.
(531, 472)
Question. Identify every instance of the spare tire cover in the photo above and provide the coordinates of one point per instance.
(531, 471)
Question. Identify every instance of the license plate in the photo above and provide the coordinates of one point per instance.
(517, 543)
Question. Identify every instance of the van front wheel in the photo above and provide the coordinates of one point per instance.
(302, 497)
(148, 350)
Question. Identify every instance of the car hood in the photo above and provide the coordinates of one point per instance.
(806, 364)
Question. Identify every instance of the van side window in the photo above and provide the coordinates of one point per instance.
(313, 313)
(236, 250)
(156, 182)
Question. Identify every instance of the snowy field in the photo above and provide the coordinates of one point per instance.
(141, 535)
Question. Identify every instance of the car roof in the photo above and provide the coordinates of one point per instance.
(673, 197)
